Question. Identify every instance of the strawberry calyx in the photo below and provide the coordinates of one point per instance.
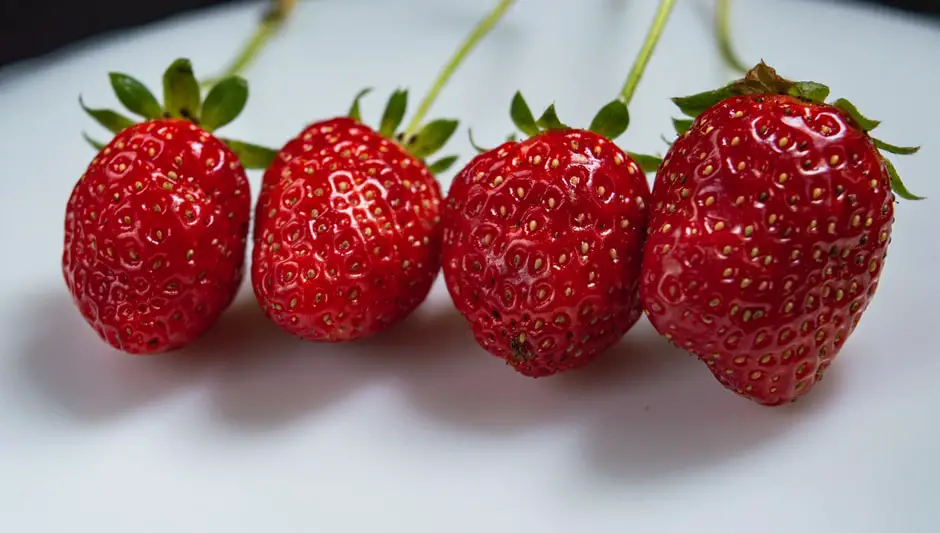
(424, 143)
(762, 79)
(423, 139)
(182, 99)
(611, 121)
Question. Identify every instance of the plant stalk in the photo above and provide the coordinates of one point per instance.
(646, 52)
(277, 13)
(723, 34)
(475, 36)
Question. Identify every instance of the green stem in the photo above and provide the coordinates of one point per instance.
(646, 52)
(277, 13)
(723, 32)
(485, 25)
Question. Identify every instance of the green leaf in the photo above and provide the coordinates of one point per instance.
(432, 137)
(113, 121)
(354, 112)
(549, 120)
(849, 108)
(97, 145)
(809, 90)
(394, 113)
(695, 104)
(649, 163)
(474, 144)
(900, 150)
(252, 156)
(135, 96)
(522, 116)
(441, 165)
(897, 185)
(224, 102)
(612, 120)
(181, 94)
(682, 125)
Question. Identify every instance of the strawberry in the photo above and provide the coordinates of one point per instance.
(347, 234)
(347, 225)
(543, 236)
(155, 228)
(542, 242)
(770, 224)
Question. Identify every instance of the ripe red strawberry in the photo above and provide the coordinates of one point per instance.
(347, 234)
(347, 226)
(542, 242)
(542, 238)
(155, 228)
(770, 224)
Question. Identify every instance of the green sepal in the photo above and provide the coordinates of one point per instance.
(849, 108)
(432, 137)
(897, 185)
(354, 112)
(809, 90)
(682, 125)
(252, 156)
(648, 163)
(665, 140)
(512, 137)
(612, 120)
(474, 144)
(899, 150)
(549, 120)
(522, 115)
(224, 102)
(96, 144)
(695, 104)
(394, 113)
(181, 93)
(112, 120)
(443, 164)
(135, 96)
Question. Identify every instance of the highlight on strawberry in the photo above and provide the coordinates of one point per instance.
(156, 226)
(770, 225)
(347, 225)
(543, 236)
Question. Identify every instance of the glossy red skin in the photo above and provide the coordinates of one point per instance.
(772, 314)
(520, 200)
(328, 136)
(348, 234)
(162, 194)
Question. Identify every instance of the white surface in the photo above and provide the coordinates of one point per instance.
(419, 431)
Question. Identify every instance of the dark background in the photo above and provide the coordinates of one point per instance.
(29, 28)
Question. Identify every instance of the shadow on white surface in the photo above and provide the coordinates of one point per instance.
(65, 362)
(468, 389)
(431, 356)
(644, 409)
(273, 378)
(670, 416)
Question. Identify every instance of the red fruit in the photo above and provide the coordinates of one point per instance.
(542, 242)
(155, 229)
(347, 234)
(770, 225)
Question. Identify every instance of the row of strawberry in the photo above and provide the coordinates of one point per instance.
(758, 248)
